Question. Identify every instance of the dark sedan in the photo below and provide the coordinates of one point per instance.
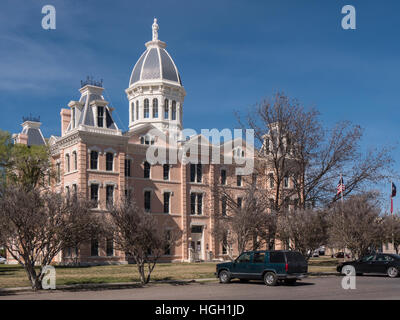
(380, 263)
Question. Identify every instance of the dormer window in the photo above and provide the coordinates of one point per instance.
(100, 117)
(147, 140)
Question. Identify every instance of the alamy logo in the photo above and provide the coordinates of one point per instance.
(49, 278)
(349, 279)
(49, 20)
(349, 20)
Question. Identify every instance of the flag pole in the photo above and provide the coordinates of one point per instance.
(341, 195)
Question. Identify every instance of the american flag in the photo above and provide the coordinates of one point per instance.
(340, 187)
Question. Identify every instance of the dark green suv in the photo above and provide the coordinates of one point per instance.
(269, 266)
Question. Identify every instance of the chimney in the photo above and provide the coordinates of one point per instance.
(65, 120)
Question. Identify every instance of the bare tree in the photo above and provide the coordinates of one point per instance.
(243, 218)
(293, 143)
(139, 235)
(36, 226)
(391, 230)
(356, 224)
(304, 230)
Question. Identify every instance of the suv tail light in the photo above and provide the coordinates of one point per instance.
(286, 267)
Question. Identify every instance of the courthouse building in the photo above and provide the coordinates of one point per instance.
(94, 158)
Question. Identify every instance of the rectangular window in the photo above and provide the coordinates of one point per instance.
(223, 176)
(196, 203)
(239, 202)
(100, 117)
(74, 189)
(94, 194)
(192, 172)
(94, 156)
(146, 170)
(110, 195)
(199, 203)
(271, 180)
(167, 196)
(75, 160)
(192, 203)
(67, 160)
(147, 200)
(127, 167)
(94, 248)
(286, 182)
(223, 206)
(109, 161)
(239, 180)
(166, 172)
(58, 177)
(199, 173)
(67, 191)
(110, 247)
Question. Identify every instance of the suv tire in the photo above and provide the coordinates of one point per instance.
(224, 277)
(270, 279)
(392, 272)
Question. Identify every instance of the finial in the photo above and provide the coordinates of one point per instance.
(155, 30)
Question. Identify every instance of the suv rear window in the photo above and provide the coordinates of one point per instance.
(276, 257)
(294, 257)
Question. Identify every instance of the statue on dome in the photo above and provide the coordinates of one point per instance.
(155, 30)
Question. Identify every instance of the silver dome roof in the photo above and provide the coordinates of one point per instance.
(155, 64)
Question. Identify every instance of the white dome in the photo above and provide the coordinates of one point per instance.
(155, 64)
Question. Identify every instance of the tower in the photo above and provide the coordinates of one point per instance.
(155, 91)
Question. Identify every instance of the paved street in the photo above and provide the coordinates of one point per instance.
(371, 287)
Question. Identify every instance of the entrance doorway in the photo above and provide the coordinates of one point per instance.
(197, 242)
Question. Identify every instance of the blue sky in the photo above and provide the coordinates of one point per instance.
(230, 55)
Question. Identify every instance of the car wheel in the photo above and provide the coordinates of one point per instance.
(224, 277)
(290, 282)
(348, 270)
(270, 279)
(393, 272)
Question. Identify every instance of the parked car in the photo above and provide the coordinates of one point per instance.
(3, 260)
(269, 266)
(340, 255)
(374, 263)
(321, 251)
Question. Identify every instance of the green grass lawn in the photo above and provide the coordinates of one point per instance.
(15, 276)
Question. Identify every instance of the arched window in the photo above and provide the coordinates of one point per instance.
(146, 170)
(75, 160)
(132, 111)
(166, 109)
(142, 140)
(67, 163)
(155, 108)
(137, 110)
(173, 111)
(146, 110)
